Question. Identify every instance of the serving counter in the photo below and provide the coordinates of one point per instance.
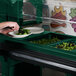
(17, 51)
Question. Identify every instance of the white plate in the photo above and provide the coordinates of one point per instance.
(18, 36)
(35, 30)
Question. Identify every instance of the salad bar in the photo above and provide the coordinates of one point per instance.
(47, 49)
(33, 44)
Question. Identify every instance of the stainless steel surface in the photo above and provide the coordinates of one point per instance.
(46, 62)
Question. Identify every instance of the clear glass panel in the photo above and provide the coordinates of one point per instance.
(29, 11)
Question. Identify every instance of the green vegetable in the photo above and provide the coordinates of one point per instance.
(45, 41)
(23, 32)
(67, 46)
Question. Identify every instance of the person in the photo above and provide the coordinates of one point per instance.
(12, 27)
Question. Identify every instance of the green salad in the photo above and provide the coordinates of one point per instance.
(23, 32)
(67, 46)
(45, 40)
